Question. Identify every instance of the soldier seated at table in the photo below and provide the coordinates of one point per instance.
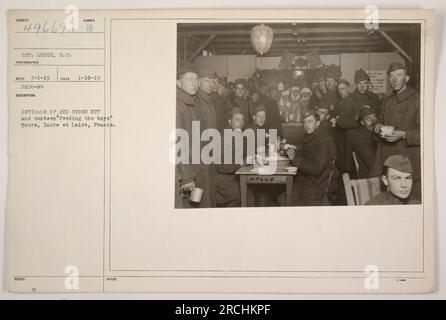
(315, 163)
(259, 123)
(326, 125)
(398, 179)
(265, 195)
(227, 182)
(258, 117)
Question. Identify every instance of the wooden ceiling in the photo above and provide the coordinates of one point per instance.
(299, 38)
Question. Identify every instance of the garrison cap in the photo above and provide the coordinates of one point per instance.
(258, 108)
(186, 68)
(235, 110)
(344, 81)
(331, 74)
(311, 112)
(205, 73)
(361, 75)
(396, 66)
(399, 162)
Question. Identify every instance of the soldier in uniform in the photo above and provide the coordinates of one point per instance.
(400, 110)
(206, 84)
(363, 142)
(326, 124)
(398, 179)
(221, 104)
(346, 113)
(189, 175)
(273, 119)
(362, 93)
(259, 122)
(227, 182)
(314, 162)
(240, 100)
(331, 97)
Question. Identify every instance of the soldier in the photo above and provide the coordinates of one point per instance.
(265, 195)
(346, 114)
(363, 142)
(227, 182)
(254, 96)
(398, 179)
(324, 116)
(347, 109)
(188, 175)
(314, 162)
(259, 117)
(335, 192)
(273, 120)
(258, 122)
(331, 97)
(239, 98)
(206, 84)
(221, 104)
(400, 113)
(362, 93)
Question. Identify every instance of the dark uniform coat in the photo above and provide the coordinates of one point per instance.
(315, 166)
(367, 99)
(208, 121)
(222, 110)
(364, 143)
(331, 98)
(386, 198)
(188, 110)
(243, 104)
(273, 119)
(207, 111)
(347, 110)
(227, 182)
(313, 102)
(402, 110)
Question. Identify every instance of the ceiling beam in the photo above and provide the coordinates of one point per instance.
(285, 45)
(201, 47)
(334, 50)
(395, 45)
(302, 47)
(291, 30)
(294, 39)
(278, 55)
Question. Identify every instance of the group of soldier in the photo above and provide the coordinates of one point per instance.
(345, 132)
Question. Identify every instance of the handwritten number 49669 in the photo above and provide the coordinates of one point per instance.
(45, 27)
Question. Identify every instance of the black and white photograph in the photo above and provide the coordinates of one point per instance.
(298, 114)
(293, 154)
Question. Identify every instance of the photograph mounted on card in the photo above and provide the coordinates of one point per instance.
(293, 152)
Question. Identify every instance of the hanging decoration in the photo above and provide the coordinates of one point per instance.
(262, 38)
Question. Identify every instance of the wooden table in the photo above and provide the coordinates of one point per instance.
(281, 176)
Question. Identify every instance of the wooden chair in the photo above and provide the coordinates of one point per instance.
(355, 160)
(359, 191)
(325, 201)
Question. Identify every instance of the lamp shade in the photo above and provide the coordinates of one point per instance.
(262, 38)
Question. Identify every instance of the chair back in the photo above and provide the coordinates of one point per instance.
(359, 191)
